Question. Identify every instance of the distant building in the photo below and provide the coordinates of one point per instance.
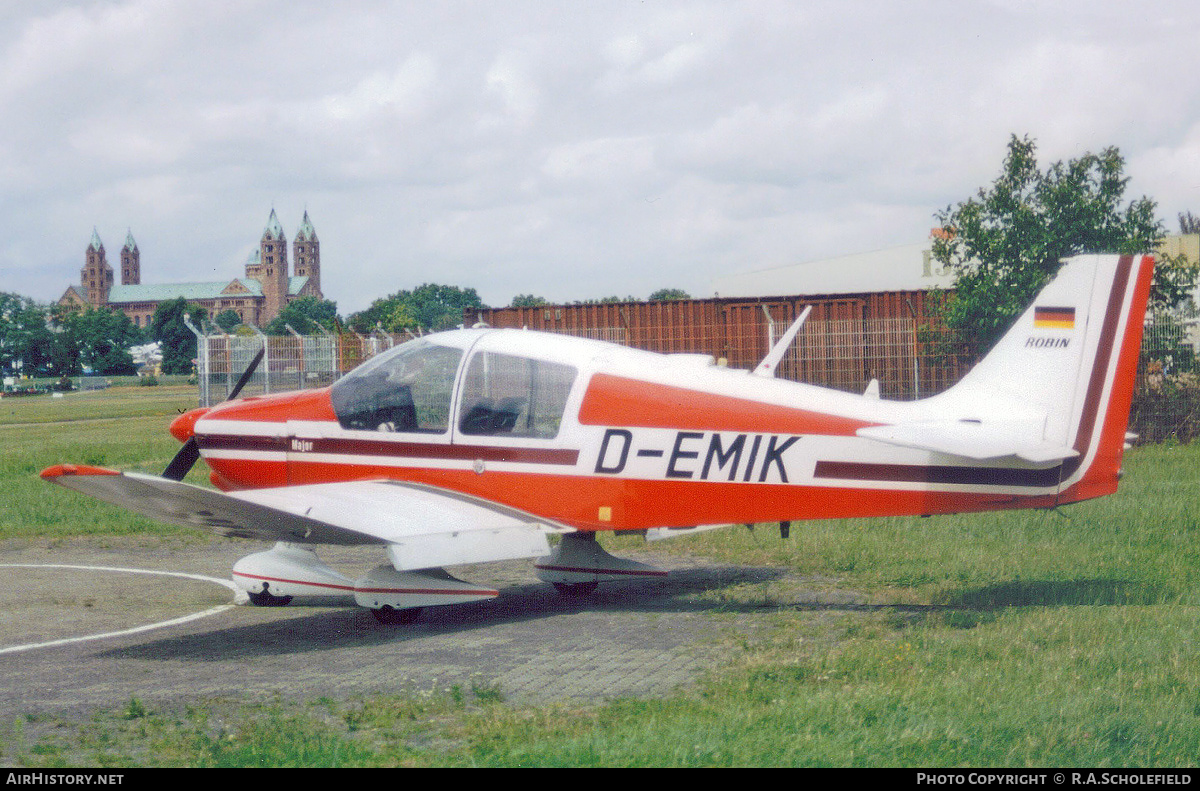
(910, 267)
(257, 298)
(906, 268)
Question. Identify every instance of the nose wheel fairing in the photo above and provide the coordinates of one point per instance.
(291, 571)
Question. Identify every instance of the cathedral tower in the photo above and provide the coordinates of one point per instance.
(273, 265)
(306, 252)
(96, 277)
(131, 262)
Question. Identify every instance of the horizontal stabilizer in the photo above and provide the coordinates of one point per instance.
(972, 439)
(423, 526)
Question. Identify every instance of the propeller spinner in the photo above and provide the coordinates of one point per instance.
(184, 425)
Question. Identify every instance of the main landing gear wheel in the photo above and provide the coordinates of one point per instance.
(268, 599)
(392, 616)
(575, 588)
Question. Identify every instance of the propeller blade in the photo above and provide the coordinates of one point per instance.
(189, 454)
(241, 382)
(181, 465)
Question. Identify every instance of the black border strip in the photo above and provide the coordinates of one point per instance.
(405, 450)
(941, 474)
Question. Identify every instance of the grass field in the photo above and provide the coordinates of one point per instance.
(123, 428)
(1040, 639)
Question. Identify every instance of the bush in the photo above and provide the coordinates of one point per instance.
(1166, 405)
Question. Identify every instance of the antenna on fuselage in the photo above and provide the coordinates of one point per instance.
(771, 361)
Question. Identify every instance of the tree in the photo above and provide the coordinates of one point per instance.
(399, 318)
(429, 307)
(1009, 240)
(528, 301)
(306, 316)
(103, 337)
(178, 342)
(668, 294)
(611, 300)
(26, 343)
(1188, 223)
(228, 319)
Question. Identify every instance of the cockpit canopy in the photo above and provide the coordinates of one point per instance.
(411, 389)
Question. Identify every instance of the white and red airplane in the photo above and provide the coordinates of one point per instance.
(475, 445)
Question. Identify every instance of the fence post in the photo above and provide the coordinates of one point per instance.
(303, 359)
(374, 335)
(362, 345)
(770, 326)
(201, 359)
(916, 361)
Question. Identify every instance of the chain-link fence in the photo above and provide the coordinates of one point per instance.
(290, 362)
(895, 357)
(1166, 402)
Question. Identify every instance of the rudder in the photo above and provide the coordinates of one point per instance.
(1072, 358)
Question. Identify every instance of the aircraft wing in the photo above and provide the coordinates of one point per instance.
(972, 439)
(422, 526)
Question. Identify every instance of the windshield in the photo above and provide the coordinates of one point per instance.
(405, 389)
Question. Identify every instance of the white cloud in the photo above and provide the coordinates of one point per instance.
(509, 79)
(390, 97)
(603, 162)
(96, 38)
(664, 48)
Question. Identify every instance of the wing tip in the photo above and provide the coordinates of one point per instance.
(61, 470)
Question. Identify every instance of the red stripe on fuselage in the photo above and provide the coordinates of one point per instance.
(617, 401)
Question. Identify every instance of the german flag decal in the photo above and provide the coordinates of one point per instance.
(1054, 318)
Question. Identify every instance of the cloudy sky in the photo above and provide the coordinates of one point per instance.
(572, 150)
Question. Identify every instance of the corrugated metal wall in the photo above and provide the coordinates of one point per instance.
(846, 341)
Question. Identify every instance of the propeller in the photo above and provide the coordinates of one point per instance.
(189, 454)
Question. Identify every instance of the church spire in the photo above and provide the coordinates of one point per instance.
(307, 232)
(131, 262)
(306, 252)
(96, 277)
(274, 230)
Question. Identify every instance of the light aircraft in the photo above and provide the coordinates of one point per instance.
(476, 445)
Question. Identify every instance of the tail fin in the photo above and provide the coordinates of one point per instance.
(1054, 394)
(1072, 357)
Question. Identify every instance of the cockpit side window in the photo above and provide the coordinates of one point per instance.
(406, 389)
(514, 396)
